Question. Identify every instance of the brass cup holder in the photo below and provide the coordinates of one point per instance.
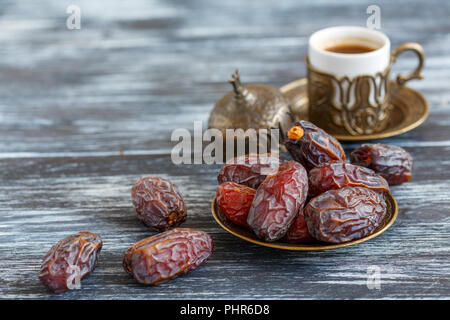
(357, 106)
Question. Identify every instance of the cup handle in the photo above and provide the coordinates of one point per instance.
(418, 50)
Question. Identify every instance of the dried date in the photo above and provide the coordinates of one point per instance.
(160, 258)
(391, 162)
(235, 200)
(278, 201)
(249, 170)
(158, 203)
(298, 232)
(338, 174)
(311, 146)
(345, 214)
(69, 261)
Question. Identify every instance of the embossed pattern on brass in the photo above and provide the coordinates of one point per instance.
(251, 106)
(356, 106)
(256, 106)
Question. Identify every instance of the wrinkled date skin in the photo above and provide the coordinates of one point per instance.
(391, 162)
(160, 258)
(235, 200)
(338, 174)
(278, 201)
(158, 203)
(345, 214)
(298, 232)
(71, 260)
(311, 146)
(249, 170)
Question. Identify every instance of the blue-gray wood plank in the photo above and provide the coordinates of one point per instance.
(72, 100)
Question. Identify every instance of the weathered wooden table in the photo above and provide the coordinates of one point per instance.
(83, 113)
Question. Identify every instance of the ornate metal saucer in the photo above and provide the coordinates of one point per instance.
(410, 109)
(247, 235)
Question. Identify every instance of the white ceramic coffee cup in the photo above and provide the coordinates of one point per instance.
(350, 65)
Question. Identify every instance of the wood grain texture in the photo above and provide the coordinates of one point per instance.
(84, 113)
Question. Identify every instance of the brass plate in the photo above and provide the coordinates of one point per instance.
(411, 109)
(247, 235)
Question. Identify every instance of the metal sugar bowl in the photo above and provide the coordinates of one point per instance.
(251, 106)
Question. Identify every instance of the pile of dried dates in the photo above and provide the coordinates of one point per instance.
(154, 260)
(317, 196)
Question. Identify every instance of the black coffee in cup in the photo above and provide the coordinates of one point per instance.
(351, 48)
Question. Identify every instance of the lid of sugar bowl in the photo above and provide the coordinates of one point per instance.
(256, 106)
